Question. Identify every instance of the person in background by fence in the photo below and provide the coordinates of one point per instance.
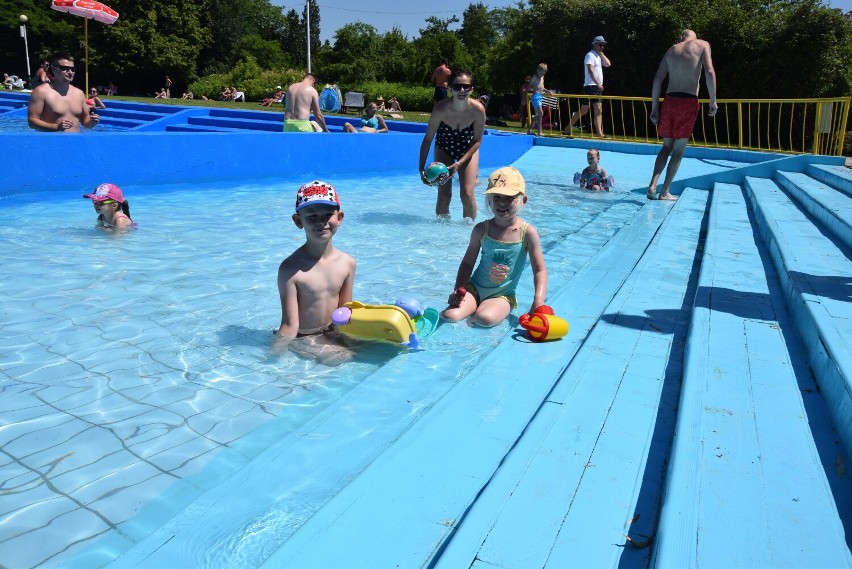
(593, 65)
(682, 63)
(537, 89)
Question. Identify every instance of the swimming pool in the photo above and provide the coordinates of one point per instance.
(137, 369)
(145, 421)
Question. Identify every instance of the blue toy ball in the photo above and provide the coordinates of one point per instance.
(436, 173)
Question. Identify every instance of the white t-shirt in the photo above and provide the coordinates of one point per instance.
(593, 59)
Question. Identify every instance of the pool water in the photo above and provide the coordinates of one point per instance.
(19, 124)
(136, 369)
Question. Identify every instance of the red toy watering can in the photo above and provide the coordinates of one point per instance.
(543, 325)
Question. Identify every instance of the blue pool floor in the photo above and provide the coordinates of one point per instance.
(698, 414)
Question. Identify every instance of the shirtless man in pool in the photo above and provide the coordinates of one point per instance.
(682, 63)
(59, 106)
(301, 99)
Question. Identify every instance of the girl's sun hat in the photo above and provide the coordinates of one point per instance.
(106, 191)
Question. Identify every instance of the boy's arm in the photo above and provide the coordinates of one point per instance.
(289, 302)
(533, 244)
(348, 284)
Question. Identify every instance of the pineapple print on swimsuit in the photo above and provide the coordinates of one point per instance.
(500, 267)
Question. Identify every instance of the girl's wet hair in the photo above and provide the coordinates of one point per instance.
(596, 151)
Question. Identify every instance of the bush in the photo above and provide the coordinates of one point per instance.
(247, 76)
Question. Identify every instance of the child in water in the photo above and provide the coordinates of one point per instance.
(593, 177)
(113, 210)
(315, 280)
(488, 293)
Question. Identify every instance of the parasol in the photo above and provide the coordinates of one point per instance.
(88, 9)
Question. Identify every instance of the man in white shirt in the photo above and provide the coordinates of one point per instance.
(593, 65)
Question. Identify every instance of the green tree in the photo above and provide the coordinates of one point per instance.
(477, 35)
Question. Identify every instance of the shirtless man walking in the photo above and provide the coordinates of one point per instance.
(59, 106)
(682, 63)
(440, 78)
(301, 99)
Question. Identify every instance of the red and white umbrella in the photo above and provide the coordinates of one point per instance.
(90, 10)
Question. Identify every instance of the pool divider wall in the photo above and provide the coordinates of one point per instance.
(158, 157)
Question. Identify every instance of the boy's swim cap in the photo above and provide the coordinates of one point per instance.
(316, 193)
(105, 192)
(506, 181)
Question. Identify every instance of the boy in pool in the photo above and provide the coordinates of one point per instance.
(316, 279)
(488, 293)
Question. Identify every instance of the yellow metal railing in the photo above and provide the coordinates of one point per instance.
(797, 126)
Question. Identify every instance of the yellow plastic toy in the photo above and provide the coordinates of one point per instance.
(543, 325)
(387, 322)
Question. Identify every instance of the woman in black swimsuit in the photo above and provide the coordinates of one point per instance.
(456, 125)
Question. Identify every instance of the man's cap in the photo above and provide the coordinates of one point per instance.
(380, 98)
(105, 192)
(316, 193)
(598, 39)
(278, 86)
(506, 181)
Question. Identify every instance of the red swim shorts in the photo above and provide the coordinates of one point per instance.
(677, 117)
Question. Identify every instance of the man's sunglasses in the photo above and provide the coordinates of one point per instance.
(64, 67)
(462, 87)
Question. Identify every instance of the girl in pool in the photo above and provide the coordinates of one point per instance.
(593, 177)
(456, 124)
(488, 293)
(113, 210)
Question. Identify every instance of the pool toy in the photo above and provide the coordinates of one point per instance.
(407, 322)
(436, 173)
(543, 325)
(608, 182)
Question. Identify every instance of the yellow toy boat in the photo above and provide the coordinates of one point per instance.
(384, 322)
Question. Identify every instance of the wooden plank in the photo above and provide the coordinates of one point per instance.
(743, 450)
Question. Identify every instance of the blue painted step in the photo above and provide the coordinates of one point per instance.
(839, 177)
(833, 209)
(404, 507)
(744, 474)
(565, 495)
(236, 123)
(816, 277)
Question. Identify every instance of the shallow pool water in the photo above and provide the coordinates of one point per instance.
(19, 124)
(136, 366)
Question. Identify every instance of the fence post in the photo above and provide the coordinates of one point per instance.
(740, 123)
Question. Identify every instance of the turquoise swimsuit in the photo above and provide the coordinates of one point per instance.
(500, 267)
(372, 123)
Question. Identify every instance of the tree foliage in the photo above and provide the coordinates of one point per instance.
(761, 48)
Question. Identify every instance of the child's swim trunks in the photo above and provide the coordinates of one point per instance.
(677, 117)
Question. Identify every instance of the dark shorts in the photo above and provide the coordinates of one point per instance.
(677, 117)
(440, 93)
(592, 90)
